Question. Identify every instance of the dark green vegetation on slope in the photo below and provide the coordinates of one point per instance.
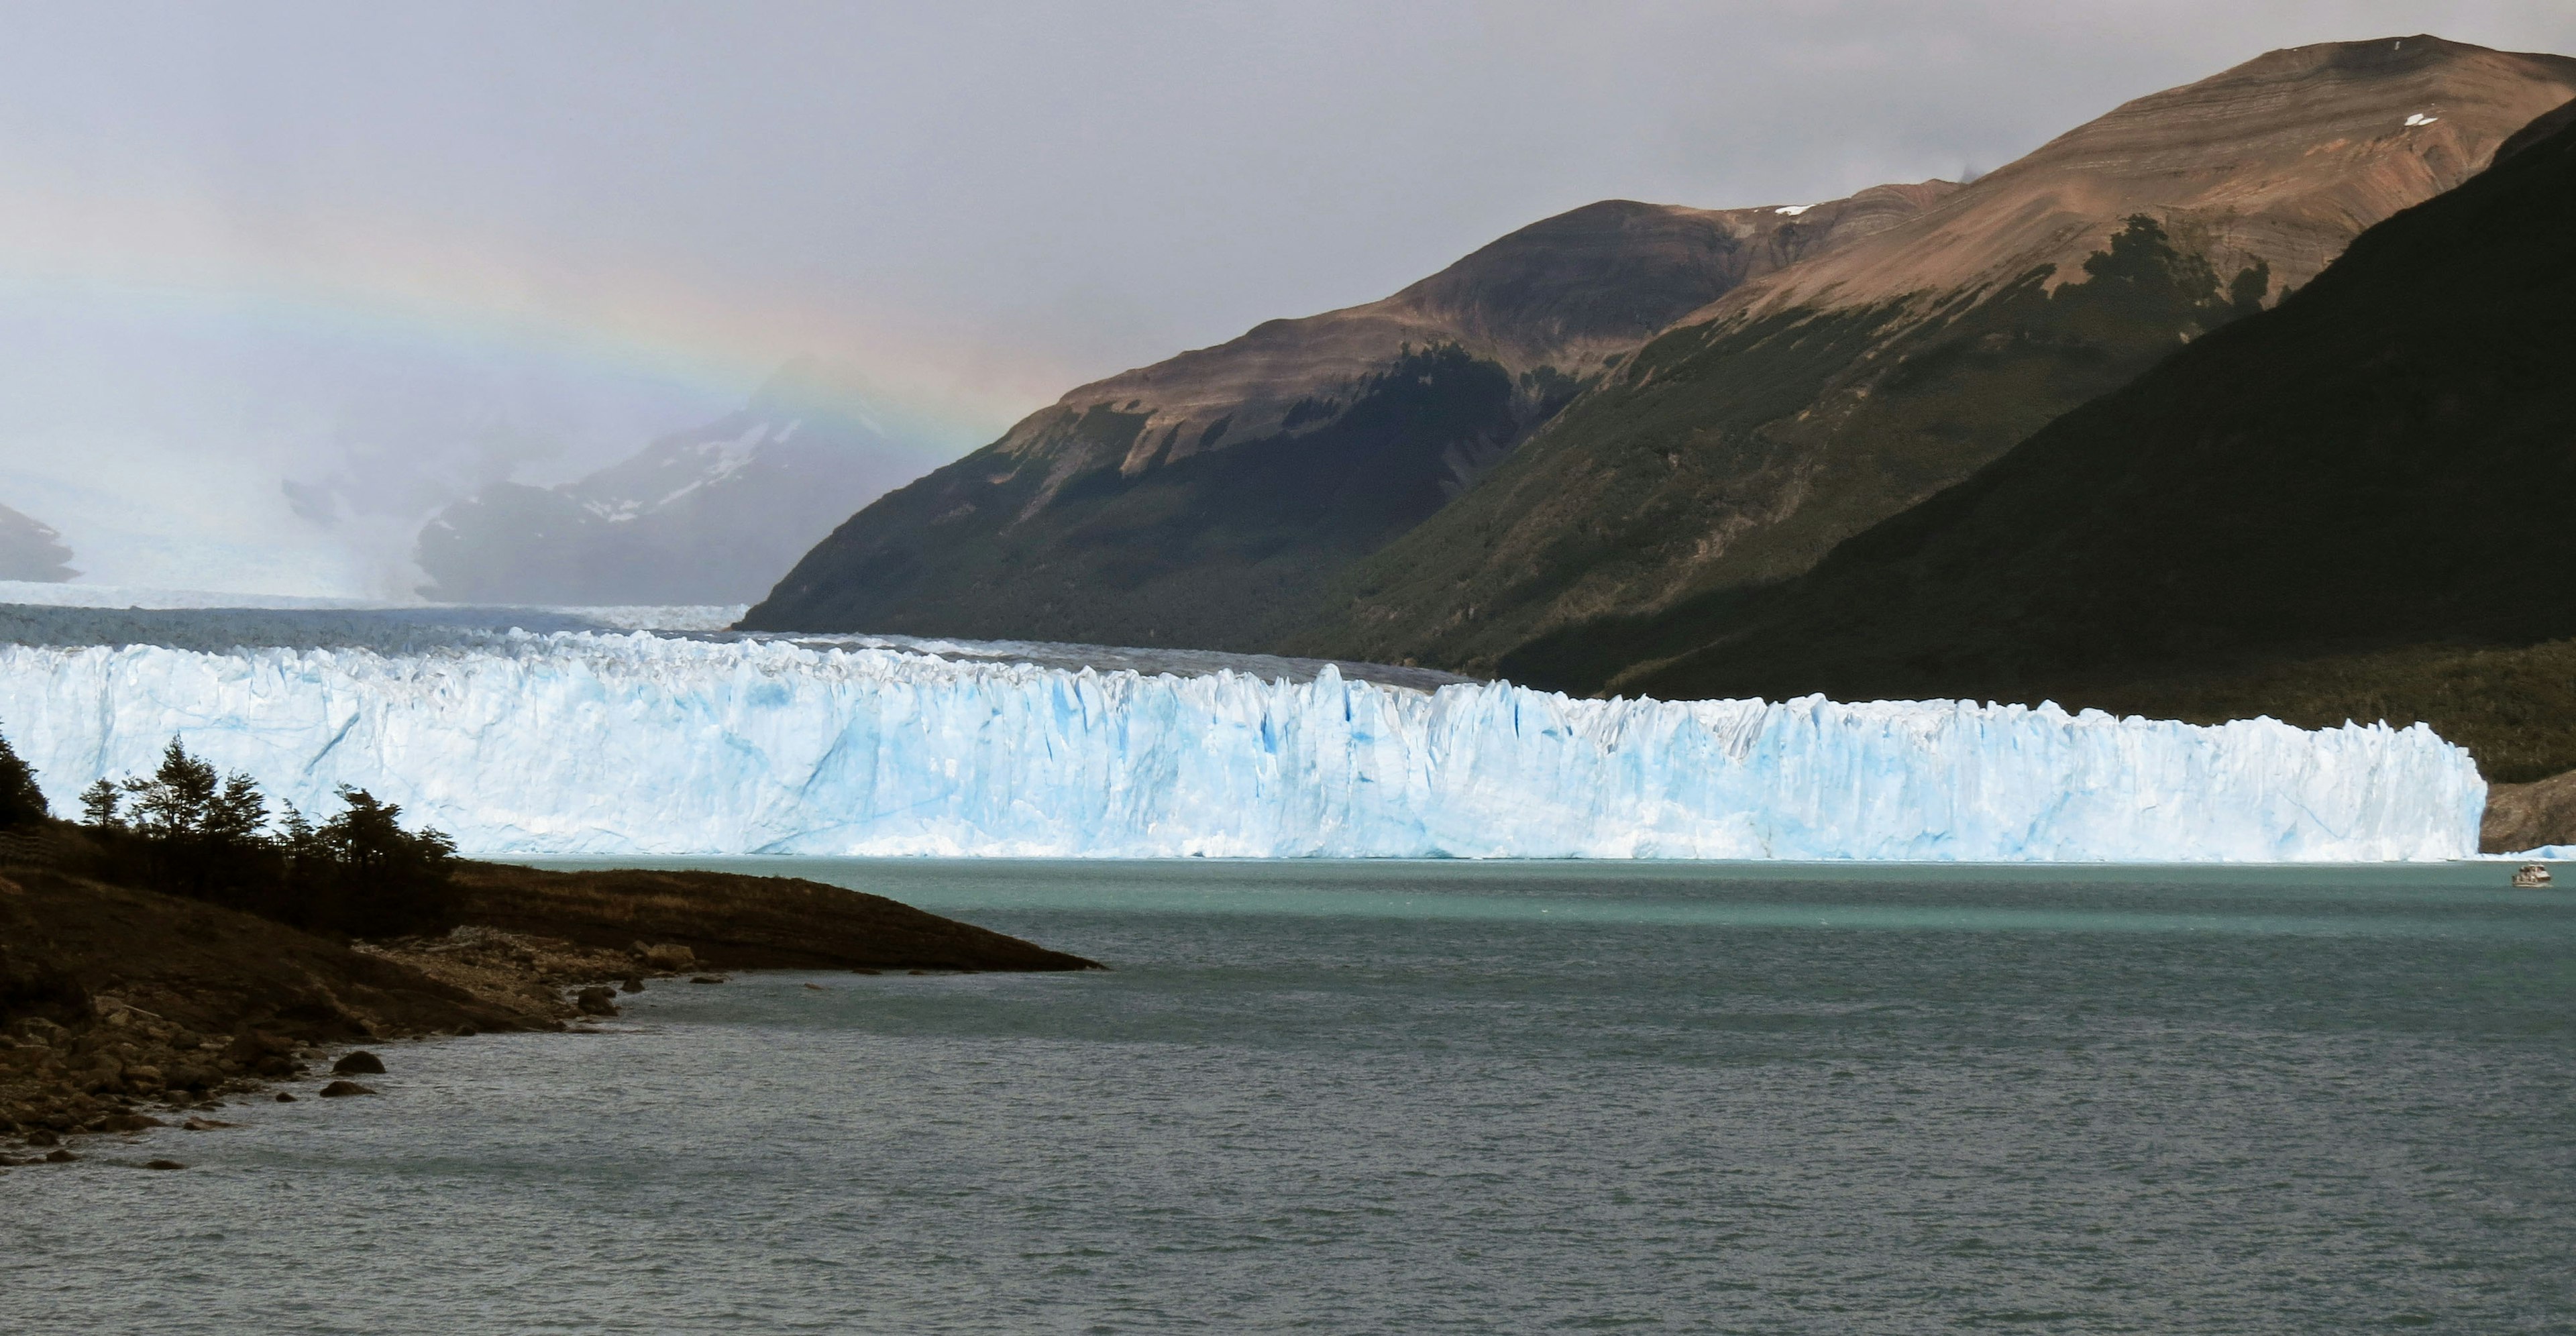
(1210, 551)
(192, 833)
(1835, 365)
(1781, 433)
(1202, 500)
(2343, 506)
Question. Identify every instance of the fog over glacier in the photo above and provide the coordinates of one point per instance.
(280, 279)
(603, 743)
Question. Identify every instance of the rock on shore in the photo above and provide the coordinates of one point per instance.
(114, 999)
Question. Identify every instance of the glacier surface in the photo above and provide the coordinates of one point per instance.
(583, 743)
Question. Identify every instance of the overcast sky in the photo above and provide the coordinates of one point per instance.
(410, 247)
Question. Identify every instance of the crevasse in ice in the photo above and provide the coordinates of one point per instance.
(630, 744)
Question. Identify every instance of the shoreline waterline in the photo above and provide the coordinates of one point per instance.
(1274, 1120)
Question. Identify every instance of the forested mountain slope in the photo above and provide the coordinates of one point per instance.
(1800, 408)
(1200, 501)
(2341, 508)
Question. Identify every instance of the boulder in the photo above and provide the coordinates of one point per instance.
(631, 984)
(285, 1098)
(344, 1089)
(670, 957)
(38, 1030)
(266, 1041)
(359, 1063)
(101, 1072)
(595, 1001)
(163, 1164)
(266, 1054)
(60, 1157)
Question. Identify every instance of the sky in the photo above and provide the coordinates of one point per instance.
(389, 253)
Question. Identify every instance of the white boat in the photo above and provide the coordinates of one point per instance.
(2531, 874)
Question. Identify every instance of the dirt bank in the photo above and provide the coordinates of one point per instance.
(122, 1009)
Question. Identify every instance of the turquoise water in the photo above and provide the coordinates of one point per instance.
(1455, 1096)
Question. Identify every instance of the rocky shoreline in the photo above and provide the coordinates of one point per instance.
(123, 1010)
(131, 1069)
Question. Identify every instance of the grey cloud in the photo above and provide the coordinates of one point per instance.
(1041, 193)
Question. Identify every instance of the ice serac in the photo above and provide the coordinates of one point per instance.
(614, 744)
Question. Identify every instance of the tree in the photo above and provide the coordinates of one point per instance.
(380, 878)
(238, 815)
(174, 803)
(21, 802)
(99, 803)
(191, 832)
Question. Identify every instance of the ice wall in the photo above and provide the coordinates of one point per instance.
(582, 743)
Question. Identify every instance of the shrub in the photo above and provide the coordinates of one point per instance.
(21, 802)
(188, 831)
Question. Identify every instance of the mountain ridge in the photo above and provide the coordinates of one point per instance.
(2320, 512)
(713, 514)
(1741, 445)
(1496, 453)
(1565, 291)
(1195, 500)
(2296, 182)
(32, 550)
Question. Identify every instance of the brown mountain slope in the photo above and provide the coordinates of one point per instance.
(1803, 407)
(2283, 159)
(2321, 513)
(1193, 501)
(1567, 292)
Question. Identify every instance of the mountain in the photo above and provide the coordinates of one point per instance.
(2340, 508)
(1200, 500)
(713, 515)
(1805, 405)
(31, 550)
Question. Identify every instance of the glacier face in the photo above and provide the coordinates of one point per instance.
(634, 744)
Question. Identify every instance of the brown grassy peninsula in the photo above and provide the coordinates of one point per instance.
(123, 1008)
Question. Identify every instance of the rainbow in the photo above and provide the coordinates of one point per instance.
(400, 287)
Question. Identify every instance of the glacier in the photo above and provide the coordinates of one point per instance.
(631, 744)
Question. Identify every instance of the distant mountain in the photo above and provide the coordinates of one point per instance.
(713, 515)
(1197, 501)
(2347, 507)
(31, 550)
(1805, 405)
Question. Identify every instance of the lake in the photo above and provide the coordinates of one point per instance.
(1444, 1096)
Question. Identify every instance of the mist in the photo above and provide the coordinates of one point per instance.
(277, 282)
